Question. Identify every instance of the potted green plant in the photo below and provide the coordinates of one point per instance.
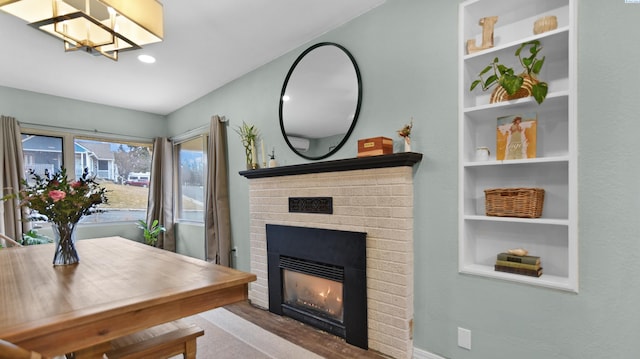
(248, 135)
(33, 237)
(151, 232)
(512, 85)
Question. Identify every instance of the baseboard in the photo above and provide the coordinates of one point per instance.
(423, 354)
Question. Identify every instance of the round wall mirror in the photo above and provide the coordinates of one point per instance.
(320, 101)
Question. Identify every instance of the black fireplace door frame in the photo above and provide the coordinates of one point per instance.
(344, 249)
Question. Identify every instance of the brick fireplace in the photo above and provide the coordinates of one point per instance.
(372, 195)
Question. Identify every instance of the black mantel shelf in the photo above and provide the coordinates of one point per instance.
(349, 164)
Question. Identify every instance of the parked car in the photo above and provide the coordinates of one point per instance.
(140, 179)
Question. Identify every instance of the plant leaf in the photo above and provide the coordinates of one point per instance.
(474, 84)
(490, 81)
(520, 49)
(502, 70)
(539, 91)
(511, 83)
(537, 66)
(486, 69)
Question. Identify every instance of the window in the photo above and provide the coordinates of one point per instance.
(124, 170)
(113, 163)
(42, 154)
(191, 164)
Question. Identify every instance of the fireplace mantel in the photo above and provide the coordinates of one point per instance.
(349, 164)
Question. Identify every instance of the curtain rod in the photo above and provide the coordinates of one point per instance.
(196, 131)
(79, 131)
(190, 133)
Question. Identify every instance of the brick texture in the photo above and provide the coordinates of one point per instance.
(376, 201)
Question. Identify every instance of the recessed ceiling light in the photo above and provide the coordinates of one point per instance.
(286, 98)
(147, 59)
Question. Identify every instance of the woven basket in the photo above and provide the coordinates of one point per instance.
(514, 202)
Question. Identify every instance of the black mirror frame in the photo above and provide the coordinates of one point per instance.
(356, 113)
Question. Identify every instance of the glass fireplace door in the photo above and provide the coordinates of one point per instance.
(320, 296)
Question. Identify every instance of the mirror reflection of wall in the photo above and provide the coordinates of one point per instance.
(320, 100)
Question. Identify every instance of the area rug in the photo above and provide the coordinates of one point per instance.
(228, 336)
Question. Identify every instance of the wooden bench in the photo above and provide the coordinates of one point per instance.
(161, 341)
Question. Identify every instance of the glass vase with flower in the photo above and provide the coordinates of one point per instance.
(62, 202)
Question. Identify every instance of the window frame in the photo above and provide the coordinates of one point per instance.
(176, 142)
(68, 155)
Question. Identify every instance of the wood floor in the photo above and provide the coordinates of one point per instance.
(322, 343)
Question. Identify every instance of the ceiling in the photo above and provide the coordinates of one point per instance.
(206, 45)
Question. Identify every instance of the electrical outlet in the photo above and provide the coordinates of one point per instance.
(464, 338)
(235, 251)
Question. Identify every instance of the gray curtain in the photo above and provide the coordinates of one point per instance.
(161, 192)
(11, 223)
(217, 220)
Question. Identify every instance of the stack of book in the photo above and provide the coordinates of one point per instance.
(525, 265)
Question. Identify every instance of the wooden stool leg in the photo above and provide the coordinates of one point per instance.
(190, 349)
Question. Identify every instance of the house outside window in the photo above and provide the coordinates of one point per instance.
(42, 154)
(110, 161)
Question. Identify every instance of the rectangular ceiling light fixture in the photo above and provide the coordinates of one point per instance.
(99, 27)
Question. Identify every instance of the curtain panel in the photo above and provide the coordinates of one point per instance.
(217, 212)
(161, 192)
(12, 223)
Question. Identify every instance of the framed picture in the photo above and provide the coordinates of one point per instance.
(516, 136)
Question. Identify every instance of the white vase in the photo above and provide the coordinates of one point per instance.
(407, 144)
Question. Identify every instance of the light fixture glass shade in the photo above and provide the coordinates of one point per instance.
(98, 26)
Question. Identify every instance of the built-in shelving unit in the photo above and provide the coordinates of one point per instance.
(553, 237)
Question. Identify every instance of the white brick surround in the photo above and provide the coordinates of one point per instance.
(377, 201)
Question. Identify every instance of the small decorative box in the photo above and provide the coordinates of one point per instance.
(375, 146)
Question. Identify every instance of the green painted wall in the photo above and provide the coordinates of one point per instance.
(407, 54)
(190, 240)
(35, 108)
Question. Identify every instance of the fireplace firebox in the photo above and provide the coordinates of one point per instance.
(318, 276)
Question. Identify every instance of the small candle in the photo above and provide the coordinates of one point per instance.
(264, 159)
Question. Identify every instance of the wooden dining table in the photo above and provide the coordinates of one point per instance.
(119, 287)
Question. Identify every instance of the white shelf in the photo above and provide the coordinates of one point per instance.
(554, 36)
(553, 100)
(550, 221)
(530, 161)
(545, 280)
(553, 237)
